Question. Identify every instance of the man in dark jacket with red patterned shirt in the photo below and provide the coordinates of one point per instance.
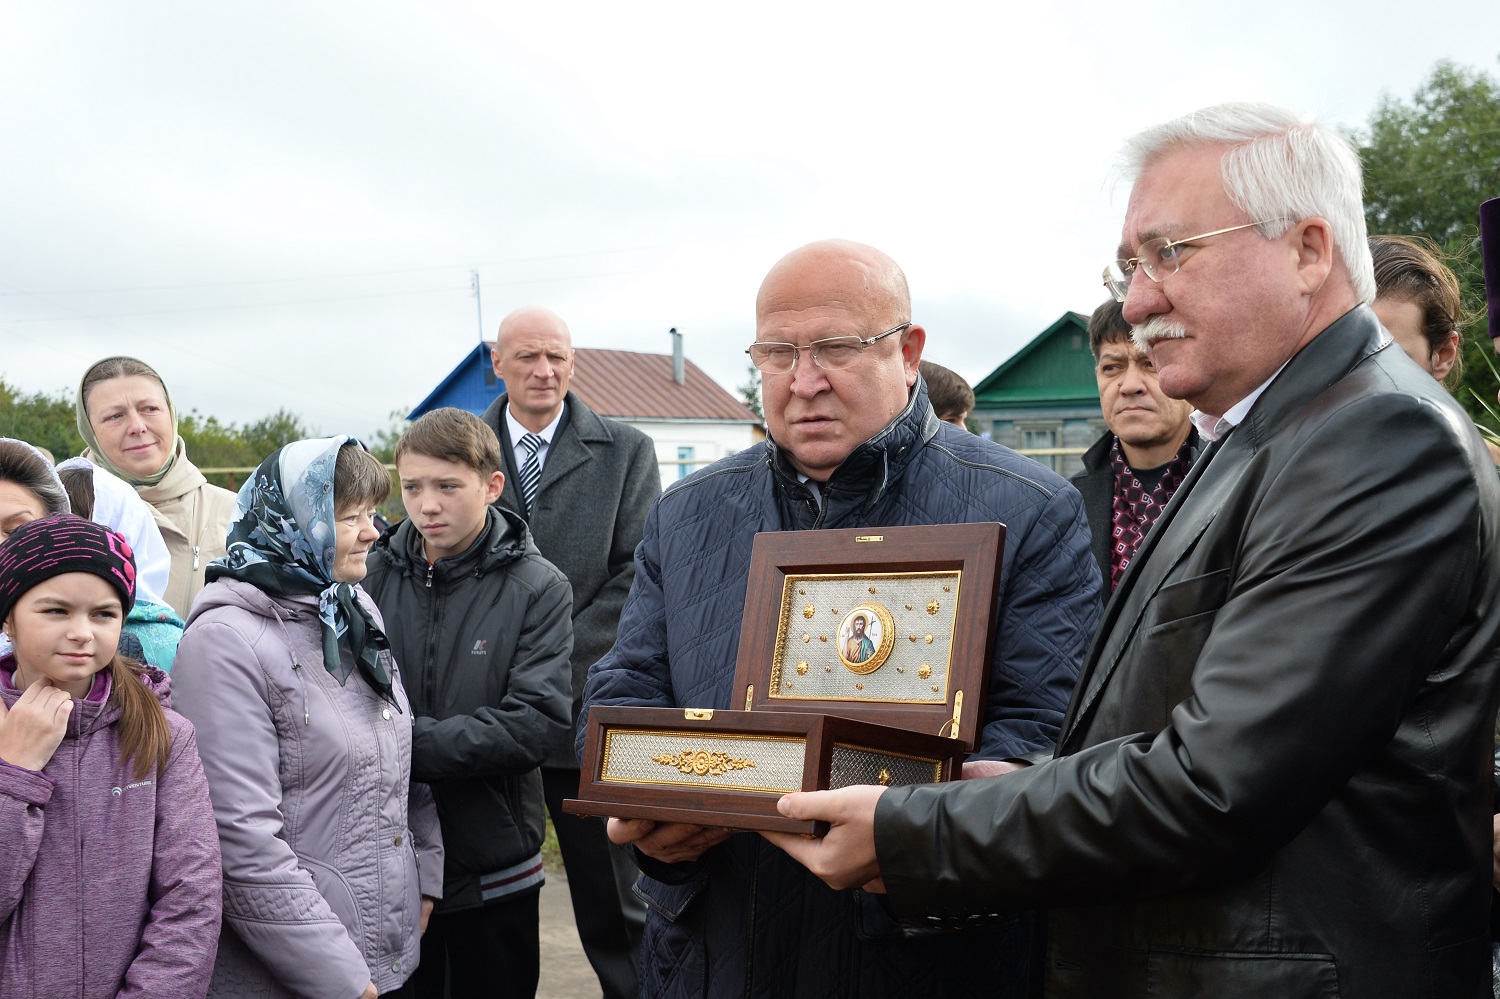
(1130, 473)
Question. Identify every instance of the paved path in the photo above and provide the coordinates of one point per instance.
(566, 973)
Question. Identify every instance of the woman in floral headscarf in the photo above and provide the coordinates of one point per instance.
(305, 735)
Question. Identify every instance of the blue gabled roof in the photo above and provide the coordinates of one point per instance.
(472, 385)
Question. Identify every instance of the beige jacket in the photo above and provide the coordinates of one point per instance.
(194, 520)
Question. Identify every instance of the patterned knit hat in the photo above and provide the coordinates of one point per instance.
(59, 544)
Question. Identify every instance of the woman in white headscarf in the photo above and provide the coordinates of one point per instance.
(126, 417)
(107, 500)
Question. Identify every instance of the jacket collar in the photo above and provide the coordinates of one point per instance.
(866, 476)
(1324, 361)
(504, 539)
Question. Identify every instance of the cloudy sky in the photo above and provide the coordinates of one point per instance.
(280, 204)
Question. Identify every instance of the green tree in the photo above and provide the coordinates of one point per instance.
(382, 443)
(1428, 163)
(40, 418)
(750, 393)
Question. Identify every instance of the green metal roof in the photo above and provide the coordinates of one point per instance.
(1056, 366)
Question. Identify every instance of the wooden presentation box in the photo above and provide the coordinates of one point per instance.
(863, 660)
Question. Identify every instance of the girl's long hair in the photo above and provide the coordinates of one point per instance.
(145, 738)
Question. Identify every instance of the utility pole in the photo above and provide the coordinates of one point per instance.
(478, 303)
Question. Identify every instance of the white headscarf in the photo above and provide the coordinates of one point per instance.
(119, 507)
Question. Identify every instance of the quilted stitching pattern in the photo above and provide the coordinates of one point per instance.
(762, 925)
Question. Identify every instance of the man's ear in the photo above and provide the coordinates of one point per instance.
(912, 342)
(1312, 242)
(494, 486)
(1445, 356)
(495, 359)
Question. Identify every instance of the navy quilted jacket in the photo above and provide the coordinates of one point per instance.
(745, 920)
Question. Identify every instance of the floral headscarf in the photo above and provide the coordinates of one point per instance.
(281, 541)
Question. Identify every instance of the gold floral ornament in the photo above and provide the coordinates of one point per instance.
(809, 611)
(933, 606)
(703, 762)
(925, 671)
(802, 669)
(884, 778)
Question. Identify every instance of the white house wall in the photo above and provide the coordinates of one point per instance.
(709, 439)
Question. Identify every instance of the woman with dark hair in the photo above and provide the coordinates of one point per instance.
(111, 883)
(126, 418)
(29, 487)
(306, 738)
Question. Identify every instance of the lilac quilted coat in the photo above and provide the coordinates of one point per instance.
(323, 868)
(110, 885)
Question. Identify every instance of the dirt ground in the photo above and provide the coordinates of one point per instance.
(566, 973)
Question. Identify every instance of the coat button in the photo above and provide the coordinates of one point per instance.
(385, 713)
(398, 840)
(396, 966)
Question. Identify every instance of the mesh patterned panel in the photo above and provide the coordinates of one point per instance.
(921, 606)
(704, 759)
(853, 765)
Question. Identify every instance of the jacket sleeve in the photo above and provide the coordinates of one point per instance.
(176, 953)
(426, 838)
(24, 795)
(1330, 620)
(1049, 608)
(511, 737)
(635, 670)
(270, 900)
(595, 623)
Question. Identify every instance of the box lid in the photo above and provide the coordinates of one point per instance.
(891, 625)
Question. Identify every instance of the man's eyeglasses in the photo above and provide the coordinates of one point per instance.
(831, 354)
(1158, 258)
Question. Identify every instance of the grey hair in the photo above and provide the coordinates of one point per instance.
(23, 464)
(1280, 164)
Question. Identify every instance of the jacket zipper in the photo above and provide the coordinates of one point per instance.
(429, 665)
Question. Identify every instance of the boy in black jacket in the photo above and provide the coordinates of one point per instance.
(481, 626)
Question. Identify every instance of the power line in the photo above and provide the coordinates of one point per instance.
(307, 301)
(351, 274)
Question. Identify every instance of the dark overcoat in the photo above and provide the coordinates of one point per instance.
(598, 481)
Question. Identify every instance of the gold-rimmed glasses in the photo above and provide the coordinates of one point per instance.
(829, 354)
(1159, 257)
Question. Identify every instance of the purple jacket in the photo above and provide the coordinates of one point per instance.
(110, 885)
(310, 780)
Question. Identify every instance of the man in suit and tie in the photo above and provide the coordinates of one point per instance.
(584, 484)
(1273, 779)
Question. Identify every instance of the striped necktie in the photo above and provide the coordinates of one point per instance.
(531, 470)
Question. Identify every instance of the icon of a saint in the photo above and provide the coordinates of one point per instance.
(858, 647)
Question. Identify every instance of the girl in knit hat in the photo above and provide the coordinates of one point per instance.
(112, 881)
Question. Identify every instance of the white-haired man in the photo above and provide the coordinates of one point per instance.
(1273, 779)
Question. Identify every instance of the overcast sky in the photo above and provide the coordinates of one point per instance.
(279, 204)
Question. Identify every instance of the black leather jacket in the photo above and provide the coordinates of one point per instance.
(1274, 776)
